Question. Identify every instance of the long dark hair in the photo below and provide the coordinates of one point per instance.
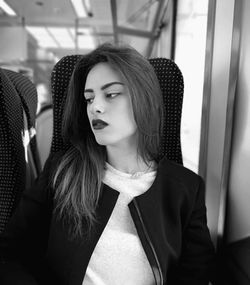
(78, 179)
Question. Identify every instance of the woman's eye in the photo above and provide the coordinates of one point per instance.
(89, 100)
(112, 95)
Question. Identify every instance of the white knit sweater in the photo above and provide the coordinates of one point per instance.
(118, 257)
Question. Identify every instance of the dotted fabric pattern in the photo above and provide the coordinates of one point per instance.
(12, 157)
(172, 86)
(27, 92)
(60, 78)
(28, 95)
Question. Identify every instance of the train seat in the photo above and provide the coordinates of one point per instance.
(18, 165)
(172, 86)
(28, 94)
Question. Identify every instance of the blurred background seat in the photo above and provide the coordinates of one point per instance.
(28, 95)
(19, 165)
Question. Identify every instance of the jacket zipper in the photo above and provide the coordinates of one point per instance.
(149, 242)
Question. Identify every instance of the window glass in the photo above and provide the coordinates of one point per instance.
(139, 14)
(191, 29)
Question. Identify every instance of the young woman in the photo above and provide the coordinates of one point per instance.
(108, 211)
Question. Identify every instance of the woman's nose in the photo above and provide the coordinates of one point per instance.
(97, 106)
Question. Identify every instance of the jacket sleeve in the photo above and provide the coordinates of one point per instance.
(24, 241)
(197, 258)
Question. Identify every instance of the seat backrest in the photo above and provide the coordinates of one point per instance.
(172, 86)
(28, 95)
(12, 155)
(14, 125)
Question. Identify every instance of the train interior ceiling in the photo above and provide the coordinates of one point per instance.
(209, 41)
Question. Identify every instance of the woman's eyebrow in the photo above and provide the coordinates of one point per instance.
(105, 86)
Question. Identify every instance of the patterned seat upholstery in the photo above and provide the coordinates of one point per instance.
(172, 86)
(14, 87)
(28, 94)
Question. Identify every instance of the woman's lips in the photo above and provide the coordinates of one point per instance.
(98, 124)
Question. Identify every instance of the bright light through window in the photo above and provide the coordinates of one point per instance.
(54, 37)
(6, 8)
(86, 42)
(85, 39)
(63, 37)
(43, 37)
(190, 56)
(79, 8)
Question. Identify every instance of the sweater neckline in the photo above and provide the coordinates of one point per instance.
(147, 172)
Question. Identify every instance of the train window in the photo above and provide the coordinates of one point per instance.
(139, 14)
(191, 25)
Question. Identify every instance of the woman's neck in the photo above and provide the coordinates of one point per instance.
(128, 161)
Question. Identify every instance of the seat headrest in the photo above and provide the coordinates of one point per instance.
(27, 92)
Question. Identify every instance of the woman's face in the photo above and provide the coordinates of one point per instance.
(109, 107)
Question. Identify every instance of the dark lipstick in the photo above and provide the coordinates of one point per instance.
(98, 124)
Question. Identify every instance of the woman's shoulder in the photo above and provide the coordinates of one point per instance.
(178, 173)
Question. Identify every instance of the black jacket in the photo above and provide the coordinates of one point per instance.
(170, 219)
